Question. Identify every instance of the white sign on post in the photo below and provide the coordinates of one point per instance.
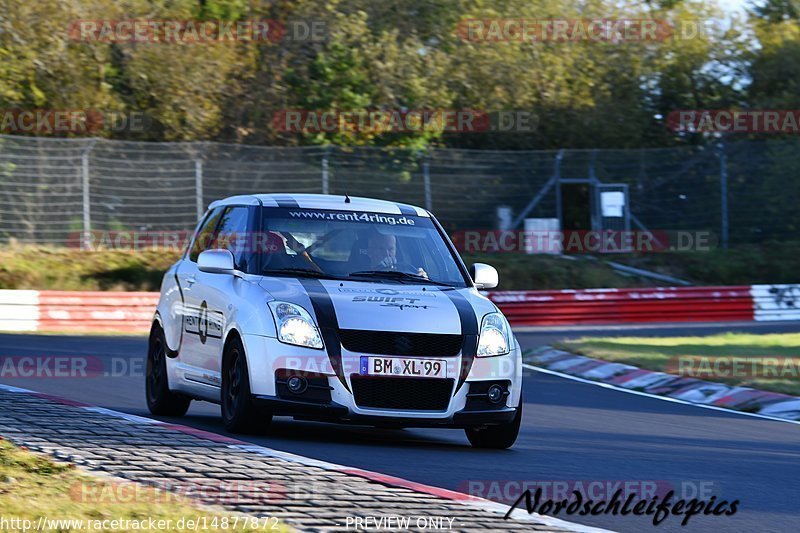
(612, 203)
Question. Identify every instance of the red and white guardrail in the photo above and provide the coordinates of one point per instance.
(77, 311)
(656, 304)
(132, 312)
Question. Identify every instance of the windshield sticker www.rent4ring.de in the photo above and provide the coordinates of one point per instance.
(353, 216)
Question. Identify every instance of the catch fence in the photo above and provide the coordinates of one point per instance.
(53, 189)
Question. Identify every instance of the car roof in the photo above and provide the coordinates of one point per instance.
(323, 201)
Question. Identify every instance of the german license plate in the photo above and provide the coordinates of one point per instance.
(402, 366)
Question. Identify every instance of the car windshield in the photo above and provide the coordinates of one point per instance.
(356, 245)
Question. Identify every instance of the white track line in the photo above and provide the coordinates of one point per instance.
(469, 501)
(655, 396)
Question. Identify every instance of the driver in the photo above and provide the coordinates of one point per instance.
(382, 254)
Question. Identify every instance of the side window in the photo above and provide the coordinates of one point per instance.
(232, 234)
(204, 237)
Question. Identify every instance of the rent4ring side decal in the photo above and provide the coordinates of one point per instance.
(203, 322)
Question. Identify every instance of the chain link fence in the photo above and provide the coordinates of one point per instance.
(53, 189)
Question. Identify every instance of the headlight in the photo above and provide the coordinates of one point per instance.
(295, 325)
(495, 337)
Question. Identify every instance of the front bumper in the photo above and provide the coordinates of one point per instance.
(266, 356)
(333, 412)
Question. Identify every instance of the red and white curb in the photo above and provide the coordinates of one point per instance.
(663, 386)
(473, 502)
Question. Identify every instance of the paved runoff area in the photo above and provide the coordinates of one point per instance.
(306, 494)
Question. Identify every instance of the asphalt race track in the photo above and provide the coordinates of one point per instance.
(571, 431)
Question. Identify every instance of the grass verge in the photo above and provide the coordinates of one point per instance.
(33, 486)
(43, 268)
(766, 362)
(69, 269)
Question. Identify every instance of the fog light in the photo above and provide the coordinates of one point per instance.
(296, 385)
(495, 393)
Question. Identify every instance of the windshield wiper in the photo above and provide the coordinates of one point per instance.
(398, 275)
(299, 272)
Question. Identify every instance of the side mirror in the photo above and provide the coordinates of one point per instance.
(216, 262)
(485, 276)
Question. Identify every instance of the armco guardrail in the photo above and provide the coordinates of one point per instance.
(77, 311)
(613, 306)
(132, 312)
(776, 302)
(662, 304)
(19, 310)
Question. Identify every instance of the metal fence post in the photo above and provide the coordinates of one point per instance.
(325, 176)
(555, 180)
(426, 182)
(198, 185)
(87, 204)
(723, 191)
(595, 211)
(557, 183)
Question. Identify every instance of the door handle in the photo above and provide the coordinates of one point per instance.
(190, 280)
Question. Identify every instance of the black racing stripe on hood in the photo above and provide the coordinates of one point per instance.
(406, 209)
(284, 200)
(328, 324)
(469, 329)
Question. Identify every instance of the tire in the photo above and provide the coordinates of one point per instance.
(496, 437)
(239, 414)
(160, 400)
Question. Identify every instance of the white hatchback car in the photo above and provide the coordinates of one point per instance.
(337, 309)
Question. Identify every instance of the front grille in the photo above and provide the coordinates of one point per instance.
(391, 343)
(412, 394)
